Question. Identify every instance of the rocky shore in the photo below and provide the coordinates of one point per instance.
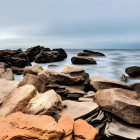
(51, 105)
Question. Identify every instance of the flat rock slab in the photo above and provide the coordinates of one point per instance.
(45, 103)
(78, 109)
(119, 130)
(121, 102)
(99, 83)
(19, 126)
(6, 87)
(83, 130)
(17, 100)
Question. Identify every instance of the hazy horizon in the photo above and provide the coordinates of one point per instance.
(75, 24)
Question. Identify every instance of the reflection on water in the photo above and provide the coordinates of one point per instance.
(112, 66)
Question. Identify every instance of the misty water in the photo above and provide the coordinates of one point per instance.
(111, 66)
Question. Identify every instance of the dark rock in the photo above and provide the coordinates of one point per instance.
(93, 53)
(33, 51)
(82, 60)
(17, 70)
(123, 103)
(133, 71)
(83, 54)
(61, 51)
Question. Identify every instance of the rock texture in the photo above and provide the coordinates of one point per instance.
(93, 53)
(6, 87)
(46, 103)
(133, 71)
(125, 104)
(6, 72)
(17, 100)
(99, 83)
(82, 60)
(82, 130)
(19, 126)
(33, 80)
(35, 69)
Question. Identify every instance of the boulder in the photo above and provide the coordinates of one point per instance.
(121, 130)
(82, 60)
(78, 109)
(33, 80)
(49, 76)
(46, 103)
(123, 103)
(68, 92)
(83, 130)
(35, 69)
(61, 51)
(33, 51)
(99, 83)
(19, 126)
(93, 53)
(83, 54)
(6, 87)
(6, 72)
(66, 123)
(17, 100)
(133, 71)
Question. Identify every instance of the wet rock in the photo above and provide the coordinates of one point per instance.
(61, 51)
(124, 78)
(46, 103)
(68, 92)
(33, 51)
(66, 123)
(93, 53)
(120, 130)
(78, 109)
(83, 130)
(49, 76)
(33, 80)
(83, 54)
(19, 126)
(82, 60)
(99, 83)
(133, 71)
(35, 69)
(121, 102)
(17, 70)
(6, 87)
(6, 72)
(17, 100)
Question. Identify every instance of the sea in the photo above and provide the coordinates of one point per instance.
(112, 66)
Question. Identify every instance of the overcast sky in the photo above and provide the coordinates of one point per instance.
(70, 23)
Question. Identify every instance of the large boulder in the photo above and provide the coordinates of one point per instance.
(46, 103)
(17, 100)
(93, 53)
(133, 71)
(6, 87)
(121, 102)
(35, 69)
(33, 51)
(83, 130)
(49, 76)
(99, 83)
(6, 72)
(33, 80)
(83, 54)
(82, 60)
(66, 123)
(78, 109)
(61, 51)
(19, 126)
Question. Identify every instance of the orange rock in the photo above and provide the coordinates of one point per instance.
(17, 100)
(66, 123)
(83, 130)
(22, 126)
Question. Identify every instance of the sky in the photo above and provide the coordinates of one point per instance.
(70, 24)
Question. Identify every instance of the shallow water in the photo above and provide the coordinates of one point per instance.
(111, 66)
